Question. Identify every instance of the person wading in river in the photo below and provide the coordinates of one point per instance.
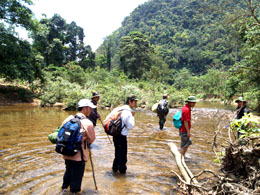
(162, 110)
(241, 110)
(75, 165)
(94, 115)
(185, 130)
(120, 142)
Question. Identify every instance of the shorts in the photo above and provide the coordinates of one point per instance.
(185, 141)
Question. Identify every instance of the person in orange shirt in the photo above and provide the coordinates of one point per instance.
(75, 165)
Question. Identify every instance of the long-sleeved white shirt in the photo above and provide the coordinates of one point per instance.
(128, 120)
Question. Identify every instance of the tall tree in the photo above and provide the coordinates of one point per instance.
(135, 54)
(16, 12)
(16, 58)
(251, 47)
(61, 43)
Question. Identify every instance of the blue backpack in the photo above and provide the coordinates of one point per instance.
(177, 120)
(69, 137)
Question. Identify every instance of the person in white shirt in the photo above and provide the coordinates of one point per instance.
(120, 142)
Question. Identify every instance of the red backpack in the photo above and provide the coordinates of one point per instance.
(113, 125)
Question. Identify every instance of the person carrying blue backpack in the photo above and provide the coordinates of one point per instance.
(185, 130)
(75, 163)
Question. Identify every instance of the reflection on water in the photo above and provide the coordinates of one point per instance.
(216, 105)
(29, 164)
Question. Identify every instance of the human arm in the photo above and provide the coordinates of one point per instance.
(186, 119)
(98, 116)
(88, 131)
(186, 125)
(128, 119)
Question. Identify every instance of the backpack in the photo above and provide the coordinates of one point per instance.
(162, 106)
(113, 125)
(177, 120)
(69, 137)
(53, 136)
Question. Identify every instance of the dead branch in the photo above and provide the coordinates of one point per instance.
(189, 184)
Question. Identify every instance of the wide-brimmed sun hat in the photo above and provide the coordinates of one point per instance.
(95, 94)
(240, 99)
(132, 98)
(191, 99)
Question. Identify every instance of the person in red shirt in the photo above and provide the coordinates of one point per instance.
(186, 124)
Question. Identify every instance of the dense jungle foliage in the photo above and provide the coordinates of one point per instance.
(206, 48)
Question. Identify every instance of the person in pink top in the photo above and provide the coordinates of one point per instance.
(75, 165)
(185, 130)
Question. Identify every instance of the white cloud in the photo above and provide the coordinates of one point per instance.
(98, 18)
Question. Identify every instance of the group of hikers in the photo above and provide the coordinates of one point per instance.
(88, 115)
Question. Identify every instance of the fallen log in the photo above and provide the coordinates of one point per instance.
(186, 173)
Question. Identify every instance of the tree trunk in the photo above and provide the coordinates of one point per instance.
(186, 173)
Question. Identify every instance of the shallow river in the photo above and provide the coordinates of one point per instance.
(29, 164)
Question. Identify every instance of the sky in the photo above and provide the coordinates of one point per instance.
(98, 18)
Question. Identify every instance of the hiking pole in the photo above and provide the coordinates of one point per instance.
(105, 130)
(93, 172)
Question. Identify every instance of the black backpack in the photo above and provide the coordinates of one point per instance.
(162, 106)
(69, 137)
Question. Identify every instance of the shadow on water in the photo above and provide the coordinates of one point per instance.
(29, 164)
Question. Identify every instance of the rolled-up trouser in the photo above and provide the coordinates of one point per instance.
(185, 141)
(120, 143)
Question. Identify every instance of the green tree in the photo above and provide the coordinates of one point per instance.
(245, 74)
(61, 43)
(16, 12)
(16, 56)
(190, 34)
(135, 54)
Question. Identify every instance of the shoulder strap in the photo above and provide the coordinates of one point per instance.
(85, 141)
(79, 117)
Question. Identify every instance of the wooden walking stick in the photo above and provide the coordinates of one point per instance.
(105, 130)
(93, 172)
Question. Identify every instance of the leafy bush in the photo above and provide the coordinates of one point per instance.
(61, 90)
(248, 125)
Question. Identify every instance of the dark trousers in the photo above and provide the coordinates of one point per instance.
(162, 120)
(73, 175)
(120, 143)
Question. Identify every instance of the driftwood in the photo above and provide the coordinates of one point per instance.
(239, 174)
(186, 173)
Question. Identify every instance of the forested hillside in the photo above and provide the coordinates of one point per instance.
(194, 34)
(208, 48)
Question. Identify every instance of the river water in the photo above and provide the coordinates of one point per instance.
(29, 164)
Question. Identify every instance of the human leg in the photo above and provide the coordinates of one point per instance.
(123, 154)
(116, 158)
(162, 120)
(120, 143)
(183, 150)
(77, 173)
(67, 175)
(185, 142)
